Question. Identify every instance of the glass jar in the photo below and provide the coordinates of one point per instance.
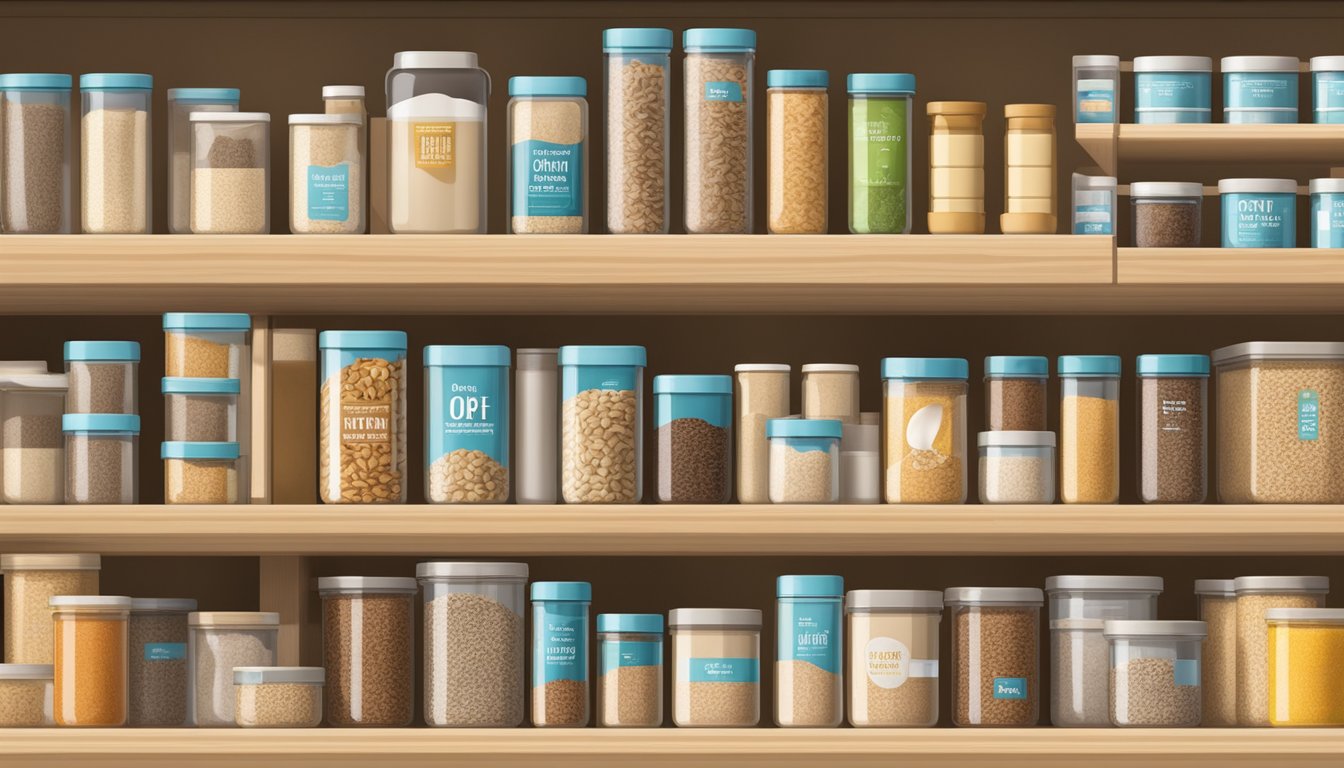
(1079, 656)
(1167, 214)
(200, 410)
(893, 658)
(560, 653)
(880, 131)
(693, 416)
(602, 384)
(1173, 428)
(35, 169)
(716, 662)
(181, 103)
(1258, 213)
(1218, 610)
(548, 155)
(796, 151)
(473, 647)
(1327, 89)
(861, 461)
(537, 455)
(809, 666)
(1029, 202)
(217, 643)
(1015, 393)
(230, 173)
(1096, 89)
(718, 105)
(630, 670)
(278, 697)
(639, 87)
(102, 454)
(1173, 89)
(762, 394)
(207, 345)
(32, 403)
(831, 391)
(1094, 205)
(26, 692)
(200, 473)
(1306, 670)
(995, 655)
(30, 583)
(1089, 429)
(368, 650)
(1017, 467)
(158, 672)
(467, 424)
(116, 154)
(327, 174)
(104, 376)
(1256, 595)
(804, 460)
(1260, 89)
(925, 404)
(362, 422)
(1155, 675)
(1327, 211)
(91, 655)
(436, 121)
(956, 167)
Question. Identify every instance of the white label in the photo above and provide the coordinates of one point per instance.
(888, 662)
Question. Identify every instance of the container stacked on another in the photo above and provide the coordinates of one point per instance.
(1017, 452)
(102, 422)
(31, 405)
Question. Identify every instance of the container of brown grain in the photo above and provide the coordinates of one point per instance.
(368, 644)
(30, 582)
(995, 655)
(206, 345)
(893, 657)
(158, 670)
(1173, 428)
(1255, 596)
(1015, 393)
(1218, 610)
(1166, 213)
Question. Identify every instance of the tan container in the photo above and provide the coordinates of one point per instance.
(762, 394)
(1030, 194)
(956, 167)
(31, 581)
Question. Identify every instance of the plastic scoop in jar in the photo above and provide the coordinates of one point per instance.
(923, 427)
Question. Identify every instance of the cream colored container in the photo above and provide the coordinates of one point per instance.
(762, 394)
(1030, 197)
(30, 582)
(956, 167)
(716, 659)
(831, 391)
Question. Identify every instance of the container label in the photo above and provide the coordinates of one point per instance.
(1327, 215)
(631, 653)
(435, 145)
(723, 90)
(329, 192)
(879, 164)
(1328, 90)
(165, 651)
(581, 378)
(469, 406)
(724, 671)
(366, 422)
(1174, 415)
(547, 179)
(1010, 688)
(1259, 221)
(1308, 414)
(1092, 220)
(561, 635)
(1261, 90)
(1096, 101)
(889, 663)
(810, 631)
(1186, 672)
(1171, 90)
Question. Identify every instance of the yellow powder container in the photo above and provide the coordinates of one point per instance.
(956, 167)
(1030, 199)
(924, 402)
(1089, 429)
(1306, 666)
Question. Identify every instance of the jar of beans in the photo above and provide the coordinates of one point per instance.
(995, 655)
(101, 458)
(1155, 675)
(1173, 428)
(362, 417)
(368, 643)
(893, 657)
(158, 647)
(91, 646)
(924, 399)
(796, 151)
(1089, 429)
(602, 424)
(630, 670)
(560, 653)
(1015, 393)
(693, 415)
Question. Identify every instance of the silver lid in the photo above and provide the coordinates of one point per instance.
(894, 599)
(1178, 629)
(371, 584)
(1220, 587)
(714, 617)
(1323, 615)
(1252, 584)
(441, 570)
(1279, 350)
(264, 675)
(1104, 584)
(991, 595)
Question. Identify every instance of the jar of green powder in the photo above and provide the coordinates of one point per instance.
(879, 153)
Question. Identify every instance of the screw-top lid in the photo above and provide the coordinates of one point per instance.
(1253, 584)
(637, 39)
(206, 321)
(899, 83)
(111, 351)
(804, 428)
(809, 586)
(1260, 64)
(1279, 350)
(894, 599)
(233, 619)
(992, 595)
(1096, 60)
(292, 675)
(109, 602)
(115, 81)
(548, 86)
(1317, 615)
(342, 91)
(162, 605)
(27, 671)
(955, 108)
(1175, 629)
(180, 385)
(714, 617)
(1257, 187)
(762, 368)
(643, 623)
(1165, 189)
(1088, 365)
(36, 81)
(1331, 185)
(1173, 64)
(321, 118)
(718, 40)
(692, 385)
(450, 570)
(1104, 584)
(211, 95)
(1327, 64)
(199, 451)
(367, 584)
(603, 355)
(1220, 587)
(434, 60)
(830, 368)
(925, 368)
(1011, 438)
(481, 355)
(1087, 182)
(362, 340)
(1012, 111)
(1173, 365)
(1018, 366)
(50, 562)
(797, 78)
(100, 422)
(564, 591)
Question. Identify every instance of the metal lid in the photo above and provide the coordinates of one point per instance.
(1257, 186)
(894, 599)
(762, 368)
(1009, 438)
(27, 671)
(441, 570)
(1252, 584)
(1165, 189)
(991, 595)
(233, 619)
(1220, 587)
(114, 602)
(162, 605)
(714, 617)
(264, 675)
(1322, 615)
(1104, 584)
(1132, 628)
(342, 91)
(1260, 64)
(50, 562)
(368, 584)
(1279, 350)
(1173, 64)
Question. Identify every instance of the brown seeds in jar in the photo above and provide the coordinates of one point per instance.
(693, 463)
(995, 660)
(363, 433)
(368, 645)
(637, 164)
(600, 445)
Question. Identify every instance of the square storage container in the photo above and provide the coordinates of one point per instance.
(1173, 428)
(230, 173)
(1094, 205)
(1260, 89)
(1096, 89)
(537, 455)
(32, 403)
(1166, 214)
(1030, 201)
(158, 672)
(718, 129)
(796, 151)
(638, 104)
(1089, 429)
(200, 410)
(181, 103)
(327, 174)
(1259, 213)
(892, 638)
(467, 424)
(368, 648)
(831, 391)
(104, 376)
(218, 642)
(1155, 674)
(362, 417)
(602, 421)
(1306, 669)
(1173, 89)
(956, 167)
(1218, 610)
(560, 681)
(693, 416)
(35, 192)
(26, 692)
(1256, 596)
(1327, 212)
(630, 670)
(762, 394)
(116, 154)
(716, 663)
(924, 401)
(102, 458)
(278, 697)
(91, 660)
(548, 155)
(1327, 89)
(200, 473)
(30, 583)
(1017, 467)
(1015, 393)
(804, 460)
(995, 655)
(206, 345)
(809, 658)
(880, 132)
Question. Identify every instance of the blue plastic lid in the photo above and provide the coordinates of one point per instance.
(362, 340)
(115, 81)
(1015, 365)
(219, 95)
(722, 40)
(643, 623)
(925, 368)
(1173, 365)
(869, 82)
(118, 351)
(100, 422)
(178, 385)
(603, 355)
(1089, 365)
(36, 81)
(548, 86)
(179, 450)
(810, 586)
(693, 385)
(797, 78)
(442, 355)
(803, 428)
(651, 39)
(572, 591)
(206, 321)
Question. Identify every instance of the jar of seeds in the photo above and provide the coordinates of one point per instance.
(1015, 393)
(101, 458)
(630, 670)
(200, 473)
(1155, 673)
(1166, 213)
(602, 424)
(548, 155)
(639, 87)
(104, 376)
(278, 697)
(718, 103)
(693, 415)
(560, 653)
(230, 173)
(362, 422)
(1173, 428)
(368, 643)
(995, 655)
(326, 174)
(158, 650)
(35, 166)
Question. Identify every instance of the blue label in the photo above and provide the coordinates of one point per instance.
(1259, 90)
(809, 630)
(1096, 101)
(630, 653)
(1172, 90)
(560, 642)
(1010, 687)
(1327, 91)
(581, 378)
(329, 192)
(1092, 220)
(468, 409)
(724, 671)
(1186, 671)
(1327, 220)
(165, 651)
(1308, 415)
(1259, 221)
(547, 179)
(714, 409)
(1092, 228)
(723, 90)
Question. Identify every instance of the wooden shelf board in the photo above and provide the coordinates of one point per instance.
(1298, 143)
(1234, 280)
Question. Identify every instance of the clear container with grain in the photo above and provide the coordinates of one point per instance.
(1280, 427)
(956, 167)
(473, 643)
(278, 697)
(102, 457)
(892, 639)
(804, 460)
(467, 424)
(217, 642)
(200, 473)
(630, 670)
(35, 192)
(924, 402)
(639, 88)
(1089, 429)
(362, 417)
(368, 650)
(716, 667)
(181, 103)
(200, 410)
(1030, 199)
(560, 678)
(880, 133)
(1256, 595)
(1218, 610)
(831, 391)
(104, 376)
(718, 103)
(602, 424)
(1173, 428)
(1306, 671)
(30, 583)
(26, 693)
(92, 674)
(796, 142)
(548, 155)
(230, 173)
(809, 658)
(1015, 393)
(1155, 673)
(116, 154)
(1167, 214)
(158, 672)
(32, 403)
(693, 419)
(1017, 467)
(327, 174)
(537, 451)
(762, 394)
(1079, 656)
(206, 345)
(995, 655)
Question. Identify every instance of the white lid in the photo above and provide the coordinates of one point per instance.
(1331, 615)
(1096, 60)
(50, 562)
(22, 376)
(830, 368)
(1327, 63)
(1010, 438)
(1260, 64)
(1104, 583)
(1325, 185)
(1282, 584)
(163, 604)
(233, 619)
(1173, 64)
(89, 601)
(984, 595)
(27, 671)
(714, 617)
(16, 367)
(1132, 628)
(1279, 350)
(1077, 623)
(1165, 189)
(325, 119)
(471, 570)
(1257, 186)
(1220, 587)
(1087, 181)
(894, 599)
(342, 91)
(263, 675)
(762, 368)
(862, 438)
(229, 117)
(434, 60)
(390, 584)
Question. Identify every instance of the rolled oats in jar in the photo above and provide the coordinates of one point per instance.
(601, 424)
(363, 417)
(639, 86)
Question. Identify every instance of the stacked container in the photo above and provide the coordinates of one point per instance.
(1029, 154)
(207, 360)
(218, 642)
(35, 168)
(639, 87)
(181, 103)
(32, 402)
(102, 422)
(116, 155)
(956, 167)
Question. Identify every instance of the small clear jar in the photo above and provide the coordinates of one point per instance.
(804, 460)
(102, 454)
(200, 410)
(1089, 429)
(1017, 467)
(880, 134)
(1094, 205)
(716, 663)
(893, 657)
(1173, 428)
(604, 384)
(104, 376)
(207, 345)
(809, 659)
(956, 167)
(639, 88)
(1155, 673)
(762, 394)
(718, 103)
(1096, 89)
(35, 192)
(560, 653)
(181, 103)
(1305, 674)
(1218, 610)
(1030, 200)
(116, 154)
(32, 404)
(537, 453)
(1167, 214)
(158, 672)
(362, 417)
(368, 650)
(218, 642)
(230, 173)
(1015, 393)
(1256, 595)
(327, 174)
(693, 416)
(796, 168)
(92, 660)
(995, 655)
(26, 693)
(861, 461)
(831, 391)
(30, 583)
(200, 473)
(548, 155)
(630, 670)
(278, 697)
(924, 400)
(467, 424)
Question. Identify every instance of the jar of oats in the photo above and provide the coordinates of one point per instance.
(925, 404)
(893, 657)
(716, 667)
(795, 150)
(362, 417)
(326, 174)
(548, 155)
(639, 86)
(602, 424)
(1089, 429)
(718, 130)
(467, 424)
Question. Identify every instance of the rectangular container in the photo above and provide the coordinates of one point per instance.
(892, 637)
(693, 416)
(218, 642)
(467, 424)
(1173, 428)
(762, 394)
(158, 672)
(362, 422)
(716, 663)
(880, 131)
(30, 583)
(104, 376)
(924, 401)
(1259, 213)
(1306, 670)
(1218, 610)
(560, 629)
(719, 104)
(630, 670)
(201, 473)
(638, 129)
(1094, 205)
(1173, 89)
(1017, 467)
(1089, 429)
(796, 151)
(809, 658)
(181, 103)
(327, 174)
(230, 173)
(32, 403)
(278, 697)
(368, 647)
(1256, 596)
(956, 167)
(1327, 89)
(995, 655)
(200, 410)
(602, 383)
(1155, 673)
(804, 460)
(1096, 89)
(1327, 213)
(537, 456)
(35, 192)
(102, 458)
(548, 155)
(1260, 89)
(116, 154)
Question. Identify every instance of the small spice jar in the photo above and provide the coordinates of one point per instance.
(104, 376)
(1260, 89)
(548, 155)
(924, 401)
(32, 402)
(537, 455)
(560, 653)
(716, 662)
(26, 692)
(218, 642)
(893, 658)
(91, 675)
(1259, 213)
(880, 132)
(1166, 213)
(200, 473)
(1173, 89)
(762, 394)
(719, 105)
(1017, 467)
(116, 154)
(467, 424)
(1155, 673)
(1030, 198)
(1094, 206)
(35, 169)
(362, 417)
(206, 345)
(230, 173)
(1327, 211)
(956, 167)
(181, 103)
(278, 697)
(1327, 89)
(602, 383)
(630, 670)
(861, 461)
(368, 644)
(639, 86)
(796, 151)
(809, 660)
(1089, 429)
(101, 458)
(831, 391)
(995, 655)
(1256, 595)
(694, 416)
(1306, 670)
(1218, 610)
(1096, 89)
(1173, 428)
(326, 174)
(804, 460)
(158, 671)
(30, 583)
(200, 410)
(1015, 396)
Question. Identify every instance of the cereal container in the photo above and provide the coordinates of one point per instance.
(1173, 89)
(362, 421)
(181, 103)
(1017, 467)
(91, 660)
(1015, 393)
(693, 416)
(26, 692)
(804, 460)
(230, 173)
(602, 424)
(35, 169)
(630, 670)
(1327, 211)
(639, 86)
(207, 345)
(1260, 89)
(368, 644)
(560, 653)
(716, 663)
(116, 154)
(995, 653)
(796, 151)
(718, 106)
(925, 409)
(104, 376)
(102, 458)
(1327, 89)
(893, 658)
(158, 671)
(278, 697)
(30, 583)
(200, 473)
(217, 642)
(809, 659)
(548, 155)
(1030, 197)
(1218, 610)
(537, 460)
(1173, 428)
(200, 410)
(762, 394)
(831, 391)
(1258, 213)
(32, 404)
(1256, 596)
(327, 173)
(1155, 673)
(956, 167)
(1096, 89)
(1089, 429)
(880, 132)
(467, 424)
(1306, 671)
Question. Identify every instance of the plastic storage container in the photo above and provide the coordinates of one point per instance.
(804, 460)
(35, 171)
(104, 376)
(102, 456)
(1173, 89)
(32, 403)
(436, 127)
(1327, 89)
(925, 405)
(1218, 610)
(344, 100)
(278, 697)
(1080, 669)
(638, 103)
(1155, 675)
(1259, 213)
(1327, 212)
(1017, 467)
(217, 643)
(796, 143)
(893, 658)
(1280, 424)
(1015, 392)
(467, 424)
(560, 653)
(368, 650)
(327, 174)
(1256, 596)
(1094, 205)
(1306, 669)
(30, 583)
(362, 421)
(181, 103)
(880, 132)
(693, 416)
(809, 659)
(548, 155)
(200, 410)
(861, 461)
(602, 384)
(995, 655)
(1030, 198)
(158, 652)
(1166, 214)
(762, 394)
(116, 154)
(1089, 429)
(1173, 428)
(718, 102)
(716, 662)
(26, 692)
(230, 173)
(956, 167)
(200, 473)
(831, 391)
(1096, 89)
(630, 670)
(91, 660)
(206, 345)
(537, 454)
(474, 647)
(1260, 89)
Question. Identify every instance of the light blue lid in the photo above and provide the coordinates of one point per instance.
(721, 40)
(603, 355)
(548, 86)
(925, 368)
(797, 78)
(112, 351)
(442, 355)
(693, 385)
(1173, 365)
(810, 586)
(179, 450)
(803, 428)
(178, 385)
(573, 591)
(870, 82)
(206, 321)
(362, 340)
(1088, 365)
(633, 39)
(643, 623)
(36, 81)
(115, 81)
(213, 95)
(100, 422)
(1017, 365)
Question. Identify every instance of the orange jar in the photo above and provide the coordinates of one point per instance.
(92, 673)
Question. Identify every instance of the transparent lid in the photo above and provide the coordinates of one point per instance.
(1151, 584)
(450, 570)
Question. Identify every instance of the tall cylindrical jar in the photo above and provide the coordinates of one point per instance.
(217, 642)
(230, 173)
(1255, 596)
(35, 161)
(1173, 428)
(796, 148)
(30, 583)
(368, 649)
(92, 660)
(602, 424)
(956, 167)
(995, 655)
(537, 453)
(879, 152)
(1218, 610)
(693, 416)
(327, 176)
(362, 423)
(548, 155)
(560, 653)
(158, 670)
(630, 670)
(1030, 198)
(467, 424)
(924, 399)
(762, 394)
(1089, 429)
(116, 154)
(809, 659)
(718, 107)
(716, 667)
(181, 103)
(893, 657)
(1015, 393)
(639, 88)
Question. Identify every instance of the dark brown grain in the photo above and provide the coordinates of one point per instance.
(693, 462)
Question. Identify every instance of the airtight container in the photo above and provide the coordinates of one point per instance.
(1030, 197)
(1096, 89)
(436, 125)
(809, 657)
(1327, 212)
(956, 167)
(1173, 89)
(218, 642)
(278, 697)
(116, 154)
(30, 583)
(1327, 89)
(1256, 596)
(995, 655)
(327, 174)
(230, 173)
(1218, 610)
(368, 650)
(602, 424)
(924, 401)
(831, 391)
(762, 394)
(537, 456)
(1260, 89)
(1259, 213)
(467, 424)
(1094, 205)
(206, 345)
(104, 376)
(32, 403)
(796, 151)
(1017, 467)
(1280, 424)
(861, 461)
(1089, 429)
(1079, 655)
(630, 670)
(200, 473)
(560, 611)
(158, 652)
(362, 417)
(101, 458)
(91, 660)
(344, 100)
(892, 641)
(804, 460)
(200, 410)
(716, 667)
(880, 132)
(1166, 214)
(181, 103)
(1305, 674)
(1015, 392)
(719, 106)
(26, 692)
(35, 170)
(693, 416)
(638, 129)
(1155, 673)
(548, 155)
(1173, 428)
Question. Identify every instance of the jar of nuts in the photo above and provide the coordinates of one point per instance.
(601, 424)
(362, 425)
(467, 424)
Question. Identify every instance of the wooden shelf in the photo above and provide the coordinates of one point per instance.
(1298, 143)
(1233, 280)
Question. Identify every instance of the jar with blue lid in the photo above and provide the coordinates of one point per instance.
(630, 670)
(467, 424)
(1259, 213)
(804, 460)
(796, 151)
(206, 345)
(924, 400)
(560, 653)
(1327, 89)
(1327, 213)
(638, 103)
(201, 473)
(101, 458)
(362, 417)
(1260, 89)
(1015, 393)
(1173, 89)
(104, 376)
(116, 155)
(1096, 89)
(1173, 428)
(809, 666)
(719, 107)
(880, 131)
(35, 168)
(181, 103)
(1089, 429)
(548, 155)
(693, 416)
(602, 424)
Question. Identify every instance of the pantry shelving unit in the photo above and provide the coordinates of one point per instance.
(1111, 145)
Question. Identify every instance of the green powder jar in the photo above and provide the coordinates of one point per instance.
(879, 153)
